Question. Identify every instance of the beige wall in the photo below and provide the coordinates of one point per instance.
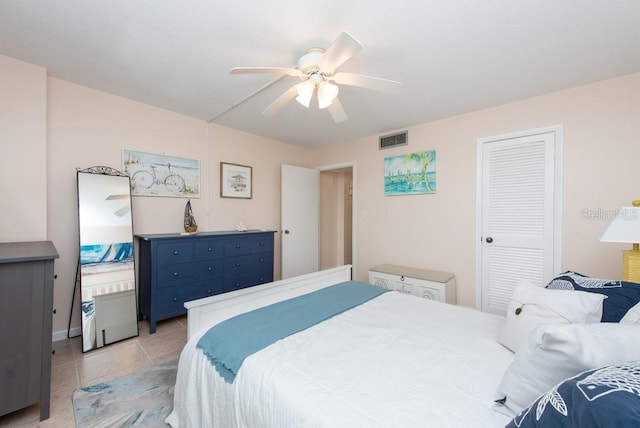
(601, 149)
(23, 151)
(265, 156)
(51, 127)
(87, 128)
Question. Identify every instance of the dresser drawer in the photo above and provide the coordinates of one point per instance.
(179, 273)
(236, 247)
(211, 249)
(171, 299)
(263, 244)
(233, 265)
(247, 279)
(174, 252)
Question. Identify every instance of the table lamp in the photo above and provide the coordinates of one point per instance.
(625, 227)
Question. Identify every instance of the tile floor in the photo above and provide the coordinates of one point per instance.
(71, 369)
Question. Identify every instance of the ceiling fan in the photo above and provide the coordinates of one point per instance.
(317, 71)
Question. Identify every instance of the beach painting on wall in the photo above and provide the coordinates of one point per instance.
(410, 174)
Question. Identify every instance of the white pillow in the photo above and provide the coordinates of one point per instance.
(555, 352)
(531, 306)
(632, 316)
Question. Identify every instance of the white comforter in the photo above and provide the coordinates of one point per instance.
(395, 361)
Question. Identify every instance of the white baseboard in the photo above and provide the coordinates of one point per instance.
(62, 334)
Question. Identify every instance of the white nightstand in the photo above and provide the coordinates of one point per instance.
(425, 283)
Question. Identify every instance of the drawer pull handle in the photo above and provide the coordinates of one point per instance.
(402, 278)
(175, 299)
(176, 252)
(209, 291)
(209, 268)
(237, 264)
(237, 245)
(209, 249)
(261, 260)
(175, 274)
(262, 244)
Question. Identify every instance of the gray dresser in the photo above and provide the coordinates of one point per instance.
(26, 306)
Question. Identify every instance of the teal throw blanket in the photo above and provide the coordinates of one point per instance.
(228, 344)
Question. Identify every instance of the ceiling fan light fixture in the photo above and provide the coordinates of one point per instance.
(305, 92)
(327, 92)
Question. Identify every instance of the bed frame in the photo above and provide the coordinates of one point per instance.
(204, 313)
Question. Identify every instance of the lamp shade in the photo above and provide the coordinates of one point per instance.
(625, 227)
(327, 92)
(305, 92)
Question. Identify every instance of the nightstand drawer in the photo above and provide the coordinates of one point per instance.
(177, 273)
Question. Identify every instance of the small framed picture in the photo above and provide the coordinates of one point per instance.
(235, 181)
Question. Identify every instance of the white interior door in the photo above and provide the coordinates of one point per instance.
(299, 220)
(519, 209)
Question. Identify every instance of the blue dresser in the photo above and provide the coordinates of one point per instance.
(174, 268)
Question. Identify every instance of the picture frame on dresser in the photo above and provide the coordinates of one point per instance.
(236, 181)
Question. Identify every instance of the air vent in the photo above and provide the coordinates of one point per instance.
(394, 140)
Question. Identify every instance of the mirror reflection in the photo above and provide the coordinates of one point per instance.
(107, 272)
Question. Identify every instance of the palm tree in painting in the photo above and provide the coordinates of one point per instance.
(424, 159)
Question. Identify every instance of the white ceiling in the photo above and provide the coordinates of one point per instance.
(453, 56)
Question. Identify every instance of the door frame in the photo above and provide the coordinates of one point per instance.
(558, 131)
(352, 165)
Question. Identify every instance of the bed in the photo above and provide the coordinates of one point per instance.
(393, 360)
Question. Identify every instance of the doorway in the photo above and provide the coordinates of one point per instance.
(317, 219)
(336, 225)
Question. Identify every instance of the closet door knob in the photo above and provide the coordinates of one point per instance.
(489, 240)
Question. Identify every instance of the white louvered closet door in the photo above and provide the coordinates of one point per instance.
(517, 216)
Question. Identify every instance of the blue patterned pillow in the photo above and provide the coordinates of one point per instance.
(605, 397)
(621, 295)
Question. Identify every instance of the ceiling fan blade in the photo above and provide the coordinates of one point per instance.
(337, 112)
(369, 82)
(280, 102)
(257, 91)
(268, 70)
(344, 47)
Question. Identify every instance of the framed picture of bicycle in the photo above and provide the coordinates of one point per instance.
(235, 181)
(161, 175)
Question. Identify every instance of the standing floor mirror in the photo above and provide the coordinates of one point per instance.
(106, 265)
